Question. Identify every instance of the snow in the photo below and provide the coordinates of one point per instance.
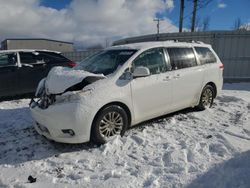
(189, 148)
(61, 78)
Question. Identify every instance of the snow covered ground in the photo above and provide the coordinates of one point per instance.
(185, 149)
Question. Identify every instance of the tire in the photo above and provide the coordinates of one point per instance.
(110, 121)
(206, 98)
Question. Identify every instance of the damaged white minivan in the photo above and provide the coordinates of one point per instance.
(122, 86)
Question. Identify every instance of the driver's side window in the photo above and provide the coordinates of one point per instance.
(153, 59)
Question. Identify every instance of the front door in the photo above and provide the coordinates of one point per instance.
(151, 95)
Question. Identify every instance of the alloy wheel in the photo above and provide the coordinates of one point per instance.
(111, 124)
(207, 98)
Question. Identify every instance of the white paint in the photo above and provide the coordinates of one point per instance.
(61, 78)
(146, 97)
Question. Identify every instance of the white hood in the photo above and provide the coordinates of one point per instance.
(61, 78)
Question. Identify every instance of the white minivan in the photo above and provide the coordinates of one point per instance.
(122, 86)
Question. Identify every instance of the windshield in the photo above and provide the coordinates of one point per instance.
(105, 62)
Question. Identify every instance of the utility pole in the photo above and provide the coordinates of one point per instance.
(181, 15)
(158, 24)
(194, 15)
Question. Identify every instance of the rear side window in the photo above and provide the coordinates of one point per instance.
(205, 55)
(7, 59)
(29, 58)
(153, 59)
(51, 57)
(181, 58)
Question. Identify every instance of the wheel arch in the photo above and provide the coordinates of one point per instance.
(122, 105)
(214, 87)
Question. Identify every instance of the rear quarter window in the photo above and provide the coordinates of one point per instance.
(29, 58)
(205, 55)
(181, 58)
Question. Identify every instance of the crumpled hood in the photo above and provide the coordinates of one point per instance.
(60, 79)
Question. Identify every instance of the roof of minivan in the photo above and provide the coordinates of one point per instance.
(170, 43)
(28, 50)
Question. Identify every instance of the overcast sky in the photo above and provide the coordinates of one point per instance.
(90, 22)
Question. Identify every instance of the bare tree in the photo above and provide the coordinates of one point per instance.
(245, 27)
(197, 24)
(205, 23)
(197, 5)
(237, 24)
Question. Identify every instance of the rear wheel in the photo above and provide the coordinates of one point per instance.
(207, 98)
(110, 121)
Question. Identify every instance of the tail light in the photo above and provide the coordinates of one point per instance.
(71, 64)
(221, 66)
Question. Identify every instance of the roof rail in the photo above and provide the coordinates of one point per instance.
(199, 42)
(195, 41)
(192, 41)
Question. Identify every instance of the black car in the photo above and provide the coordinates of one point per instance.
(21, 70)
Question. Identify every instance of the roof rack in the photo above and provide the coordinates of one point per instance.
(192, 41)
(195, 41)
(198, 42)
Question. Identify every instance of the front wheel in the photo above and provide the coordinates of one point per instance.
(207, 98)
(110, 121)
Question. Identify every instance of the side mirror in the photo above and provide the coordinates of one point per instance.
(141, 72)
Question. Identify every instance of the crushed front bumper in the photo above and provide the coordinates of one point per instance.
(61, 122)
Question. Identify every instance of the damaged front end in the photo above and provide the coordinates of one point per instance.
(43, 100)
(62, 85)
